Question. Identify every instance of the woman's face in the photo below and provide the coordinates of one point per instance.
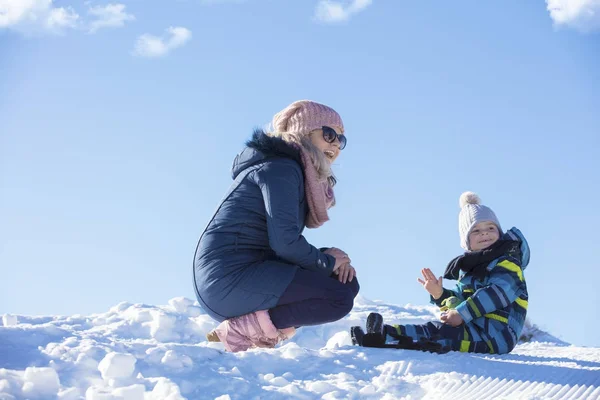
(331, 150)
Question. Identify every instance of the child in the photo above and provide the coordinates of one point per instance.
(486, 312)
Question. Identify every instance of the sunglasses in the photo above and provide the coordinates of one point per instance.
(329, 135)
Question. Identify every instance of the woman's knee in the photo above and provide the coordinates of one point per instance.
(350, 291)
(354, 287)
(347, 293)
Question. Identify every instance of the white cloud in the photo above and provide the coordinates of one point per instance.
(154, 46)
(583, 15)
(35, 16)
(59, 18)
(111, 15)
(337, 11)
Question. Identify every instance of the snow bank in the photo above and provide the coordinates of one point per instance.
(143, 352)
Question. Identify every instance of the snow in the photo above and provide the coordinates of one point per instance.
(117, 366)
(9, 320)
(144, 352)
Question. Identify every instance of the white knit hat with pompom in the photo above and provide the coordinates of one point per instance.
(471, 213)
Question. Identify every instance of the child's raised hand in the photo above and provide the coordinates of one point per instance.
(451, 317)
(432, 284)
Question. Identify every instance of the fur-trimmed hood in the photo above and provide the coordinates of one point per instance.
(261, 147)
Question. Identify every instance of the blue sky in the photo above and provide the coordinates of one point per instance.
(119, 123)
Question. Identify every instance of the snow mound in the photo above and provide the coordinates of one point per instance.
(144, 352)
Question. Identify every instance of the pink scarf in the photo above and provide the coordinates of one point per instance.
(319, 194)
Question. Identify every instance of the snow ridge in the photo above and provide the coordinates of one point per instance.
(143, 352)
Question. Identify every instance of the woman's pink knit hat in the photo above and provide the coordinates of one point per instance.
(304, 116)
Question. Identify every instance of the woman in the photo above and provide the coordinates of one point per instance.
(253, 269)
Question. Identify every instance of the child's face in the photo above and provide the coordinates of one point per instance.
(483, 235)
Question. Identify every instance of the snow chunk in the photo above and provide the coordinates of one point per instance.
(194, 311)
(165, 390)
(69, 394)
(99, 393)
(9, 320)
(268, 377)
(320, 387)
(117, 366)
(292, 351)
(85, 361)
(4, 387)
(290, 389)
(368, 390)
(119, 308)
(279, 381)
(40, 382)
(338, 340)
(180, 304)
(137, 315)
(175, 361)
(185, 306)
(162, 326)
(133, 392)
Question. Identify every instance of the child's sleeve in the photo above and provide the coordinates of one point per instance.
(505, 283)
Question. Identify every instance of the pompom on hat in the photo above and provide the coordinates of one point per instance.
(304, 116)
(471, 213)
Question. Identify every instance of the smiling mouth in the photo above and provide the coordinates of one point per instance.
(329, 154)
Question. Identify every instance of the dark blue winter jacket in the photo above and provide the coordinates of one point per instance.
(250, 250)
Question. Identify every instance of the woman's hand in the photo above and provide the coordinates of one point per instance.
(432, 284)
(345, 273)
(341, 257)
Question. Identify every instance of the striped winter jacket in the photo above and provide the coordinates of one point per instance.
(495, 307)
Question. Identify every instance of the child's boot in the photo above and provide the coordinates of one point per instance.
(357, 335)
(375, 324)
(375, 336)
